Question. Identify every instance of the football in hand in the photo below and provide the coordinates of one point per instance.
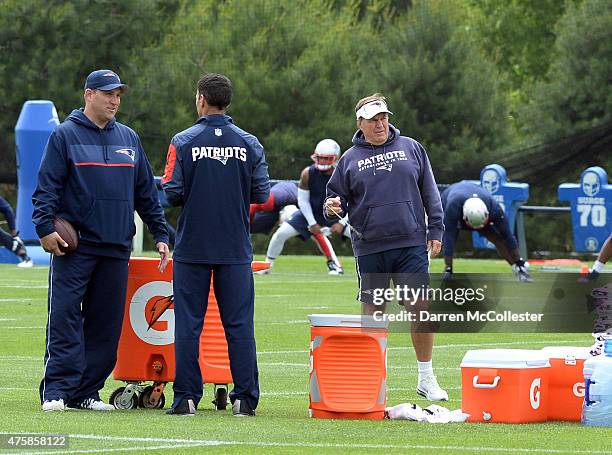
(67, 232)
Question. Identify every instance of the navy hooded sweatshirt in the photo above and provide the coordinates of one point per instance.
(95, 178)
(387, 190)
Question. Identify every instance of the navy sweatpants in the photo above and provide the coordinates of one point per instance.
(234, 290)
(85, 312)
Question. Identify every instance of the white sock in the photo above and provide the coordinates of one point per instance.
(598, 266)
(270, 261)
(425, 369)
(277, 242)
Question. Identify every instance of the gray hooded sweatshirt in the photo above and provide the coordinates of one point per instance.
(387, 191)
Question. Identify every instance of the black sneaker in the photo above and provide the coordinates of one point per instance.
(592, 275)
(185, 408)
(240, 408)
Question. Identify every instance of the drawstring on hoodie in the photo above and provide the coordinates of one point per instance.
(104, 144)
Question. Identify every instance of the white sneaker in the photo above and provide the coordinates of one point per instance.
(264, 272)
(53, 405)
(429, 388)
(26, 264)
(334, 269)
(93, 405)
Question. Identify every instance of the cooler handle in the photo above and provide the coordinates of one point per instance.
(477, 385)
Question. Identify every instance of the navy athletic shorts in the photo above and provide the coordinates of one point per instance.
(407, 266)
(299, 223)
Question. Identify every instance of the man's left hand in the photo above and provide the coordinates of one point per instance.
(164, 255)
(434, 247)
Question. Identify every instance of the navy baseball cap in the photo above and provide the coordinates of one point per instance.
(104, 80)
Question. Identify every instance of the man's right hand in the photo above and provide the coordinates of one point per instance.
(51, 244)
(333, 206)
(315, 229)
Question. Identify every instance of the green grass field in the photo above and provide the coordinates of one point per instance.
(299, 286)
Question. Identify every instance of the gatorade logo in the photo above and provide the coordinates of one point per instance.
(151, 324)
(534, 393)
(578, 389)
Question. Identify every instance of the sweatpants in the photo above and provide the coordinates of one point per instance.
(85, 312)
(234, 291)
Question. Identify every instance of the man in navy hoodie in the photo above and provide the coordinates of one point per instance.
(94, 174)
(385, 184)
(214, 170)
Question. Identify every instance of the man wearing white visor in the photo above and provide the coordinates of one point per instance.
(385, 184)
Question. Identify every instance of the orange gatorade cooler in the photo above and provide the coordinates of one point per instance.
(566, 382)
(146, 346)
(348, 366)
(505, 385)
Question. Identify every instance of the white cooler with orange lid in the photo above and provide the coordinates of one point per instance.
(505, 385)
(566, 382)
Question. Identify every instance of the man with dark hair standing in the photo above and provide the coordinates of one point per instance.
(94, 174)
(10, 240)
(214, 170)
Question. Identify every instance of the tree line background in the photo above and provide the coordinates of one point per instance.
(526, 84)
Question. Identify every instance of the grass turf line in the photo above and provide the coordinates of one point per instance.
(298, 286)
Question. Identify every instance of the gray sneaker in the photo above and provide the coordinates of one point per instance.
(185, 408)
(240, 408)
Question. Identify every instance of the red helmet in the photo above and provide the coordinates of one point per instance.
(326, 154)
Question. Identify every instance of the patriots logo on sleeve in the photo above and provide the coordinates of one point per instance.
(128, 152)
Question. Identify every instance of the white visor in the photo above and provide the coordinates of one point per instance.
(369, 110)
